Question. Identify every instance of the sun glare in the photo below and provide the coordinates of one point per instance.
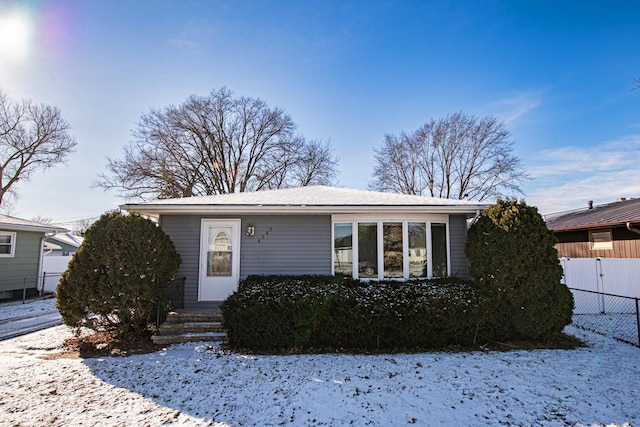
(15, 36)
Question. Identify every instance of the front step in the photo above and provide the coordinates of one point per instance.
(191, 325)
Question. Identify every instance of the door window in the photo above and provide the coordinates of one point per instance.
(220, 254)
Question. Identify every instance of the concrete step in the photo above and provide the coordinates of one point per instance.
(202, 315)
(172, 328)
(189, 337)
(191, 325)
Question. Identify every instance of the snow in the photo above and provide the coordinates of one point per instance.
(201, 384)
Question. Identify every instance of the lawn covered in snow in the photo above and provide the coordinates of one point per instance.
(199, 384)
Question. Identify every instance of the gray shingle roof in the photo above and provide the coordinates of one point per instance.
(607, 215)
(18, 224)
(310, 199)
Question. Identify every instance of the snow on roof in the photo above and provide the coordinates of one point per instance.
(18, 224)
(309, 199)
(68, 238)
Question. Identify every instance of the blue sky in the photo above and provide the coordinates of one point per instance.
(558, 73)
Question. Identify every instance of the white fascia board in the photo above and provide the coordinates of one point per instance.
(156, 210)
(43, 229)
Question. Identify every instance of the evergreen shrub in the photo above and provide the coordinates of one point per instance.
(299, 313)
(118, 275)
(513, 259)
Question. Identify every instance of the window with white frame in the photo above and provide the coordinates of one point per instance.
(7, 244)
(370, 248)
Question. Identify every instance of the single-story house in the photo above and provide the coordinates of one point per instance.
(611, 230)
(21, 249)
(63, 244)
(310, 230)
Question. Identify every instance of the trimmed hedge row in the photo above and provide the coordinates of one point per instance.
(285, 313)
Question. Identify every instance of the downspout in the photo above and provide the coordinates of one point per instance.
(630, 228)
(475, 218)
(41, 261)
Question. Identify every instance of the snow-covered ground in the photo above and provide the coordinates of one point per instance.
(199, 384)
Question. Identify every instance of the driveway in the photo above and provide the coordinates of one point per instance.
(18, 319)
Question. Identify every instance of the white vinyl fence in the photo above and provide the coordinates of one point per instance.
(52, 269)
(613, 276)
(617, 276)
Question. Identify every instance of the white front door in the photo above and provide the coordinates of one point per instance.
(219, 259)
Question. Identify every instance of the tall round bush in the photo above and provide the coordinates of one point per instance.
(116, 278)
(513, 259)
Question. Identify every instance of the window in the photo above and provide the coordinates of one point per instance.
(219, 256)
(343, 249)
(368, 250)
(390, 249)
(601, 240)
(7, 244)
(393, 250)
(417, 249)
(439, 250)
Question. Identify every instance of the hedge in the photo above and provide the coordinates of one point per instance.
(285, 313)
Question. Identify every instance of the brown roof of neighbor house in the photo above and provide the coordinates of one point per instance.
(616, 213)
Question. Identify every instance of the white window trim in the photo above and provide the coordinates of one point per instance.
(12, 245)
(428, 220)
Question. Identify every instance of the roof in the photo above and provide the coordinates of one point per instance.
(310, 200)
(17, 224)
(67, 238)
(607, 215)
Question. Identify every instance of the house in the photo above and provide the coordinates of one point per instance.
(610, 230)
(21, 244)
(310, 230)
(63, 244)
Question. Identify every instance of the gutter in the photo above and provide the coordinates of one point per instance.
(630, 228)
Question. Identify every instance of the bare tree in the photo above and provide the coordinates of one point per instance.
(457, 157)
(217, 144)
(32, 137)
(42, 220)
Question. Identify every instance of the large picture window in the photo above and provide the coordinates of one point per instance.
(390, 249)
(7, 244)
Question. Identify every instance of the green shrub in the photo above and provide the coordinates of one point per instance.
(114, 281)
(288, 313)
(513, 260)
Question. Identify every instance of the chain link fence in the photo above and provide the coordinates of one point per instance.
(607, 314)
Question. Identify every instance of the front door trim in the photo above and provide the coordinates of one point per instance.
(214, 288)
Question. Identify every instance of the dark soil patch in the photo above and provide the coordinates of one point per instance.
(101, 344)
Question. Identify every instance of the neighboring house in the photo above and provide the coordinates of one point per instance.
(63, 244)
(58, 251)
(310, 230)
(21, 249)
(611, 230)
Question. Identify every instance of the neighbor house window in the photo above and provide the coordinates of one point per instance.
(7, 244)
(601, 240)
(390, 249)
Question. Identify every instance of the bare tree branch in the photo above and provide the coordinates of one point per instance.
(32, 137)
(457, 157)
(216, 144)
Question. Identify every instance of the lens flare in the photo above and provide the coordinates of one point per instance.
(16, 32)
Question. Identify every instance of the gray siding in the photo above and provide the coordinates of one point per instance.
(282, 244)
(23, 264)
(458, 237)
